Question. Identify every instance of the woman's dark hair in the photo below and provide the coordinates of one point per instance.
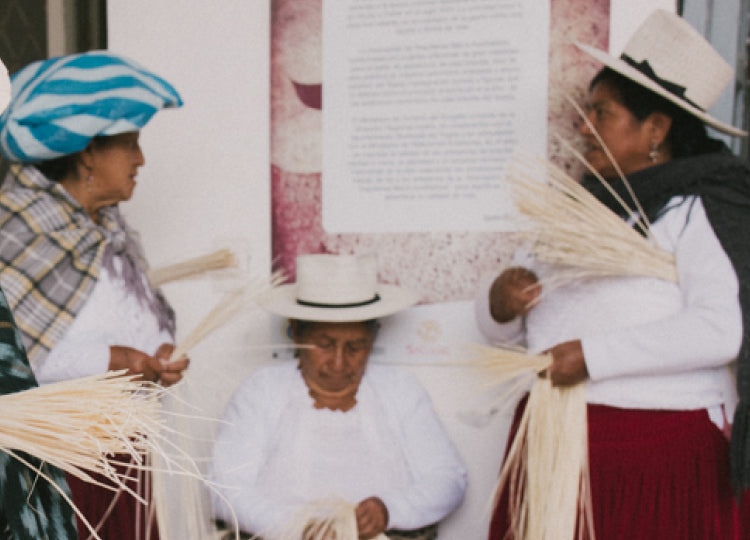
(687, 135)
(303, 326)
(58, 168)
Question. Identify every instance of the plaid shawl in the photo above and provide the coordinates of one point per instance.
(30, 508)
(51, 253)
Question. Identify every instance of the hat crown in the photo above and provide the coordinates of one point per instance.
(336, 280)
(678, 53)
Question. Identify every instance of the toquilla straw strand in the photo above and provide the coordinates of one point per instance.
(225, 310)
(569, 227)
(75, 424)
(191, 501)
(218, 260)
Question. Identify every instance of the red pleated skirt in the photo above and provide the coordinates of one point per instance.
(116, 515)
(655, 475)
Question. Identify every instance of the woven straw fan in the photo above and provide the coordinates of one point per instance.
(218, 260)
(76, 424)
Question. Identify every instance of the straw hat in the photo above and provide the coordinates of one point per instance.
(336, 288)
(670, 57)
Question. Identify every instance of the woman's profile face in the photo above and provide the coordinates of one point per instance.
(335, 358)
(115, 164)
(627, 138)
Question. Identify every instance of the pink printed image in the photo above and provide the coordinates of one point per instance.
(441, 266)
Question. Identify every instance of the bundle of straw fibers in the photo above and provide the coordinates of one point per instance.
(75, 424)
(568, 227)
(78, 424)
(546, 470)
(545, 473)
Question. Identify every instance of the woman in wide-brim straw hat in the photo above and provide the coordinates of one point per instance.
(655, 355)
(72, 269)
(331, 423)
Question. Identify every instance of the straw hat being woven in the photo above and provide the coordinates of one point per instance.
(669, 57)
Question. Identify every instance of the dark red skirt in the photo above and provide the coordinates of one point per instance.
(115, 515)
(655, 475)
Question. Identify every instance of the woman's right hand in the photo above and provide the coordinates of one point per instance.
(514, 293)
(135, 361)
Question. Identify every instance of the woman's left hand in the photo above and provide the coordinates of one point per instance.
(171, 372)
(372, 517)
(568, 364)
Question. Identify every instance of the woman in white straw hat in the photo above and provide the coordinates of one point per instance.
(655, 355)
(331, 424)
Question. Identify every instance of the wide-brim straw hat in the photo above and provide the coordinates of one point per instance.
(669, 57)
(337, 288)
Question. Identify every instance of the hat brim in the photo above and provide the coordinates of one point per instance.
(630, 72)
(282, 301)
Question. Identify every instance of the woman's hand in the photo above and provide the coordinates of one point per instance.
(568, 364)
(171, 372)
(135, 361)
(372, 517)
(514, 293)
(155, 368)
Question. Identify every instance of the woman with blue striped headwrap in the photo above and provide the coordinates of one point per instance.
(71, 268)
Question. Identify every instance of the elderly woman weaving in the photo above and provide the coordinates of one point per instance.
(72, 269)
(332, 424)
(655, 355)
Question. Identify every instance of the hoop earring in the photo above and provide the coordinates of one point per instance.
(654, 153)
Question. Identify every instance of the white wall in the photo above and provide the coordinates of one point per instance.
(206, 182)
(627, 15)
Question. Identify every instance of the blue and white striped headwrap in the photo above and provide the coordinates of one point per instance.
(58, 105)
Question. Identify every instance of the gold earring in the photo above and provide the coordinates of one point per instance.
(654, 153)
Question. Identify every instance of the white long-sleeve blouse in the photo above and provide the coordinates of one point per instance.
(647, 343)
(111, 316)
(276, 452)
